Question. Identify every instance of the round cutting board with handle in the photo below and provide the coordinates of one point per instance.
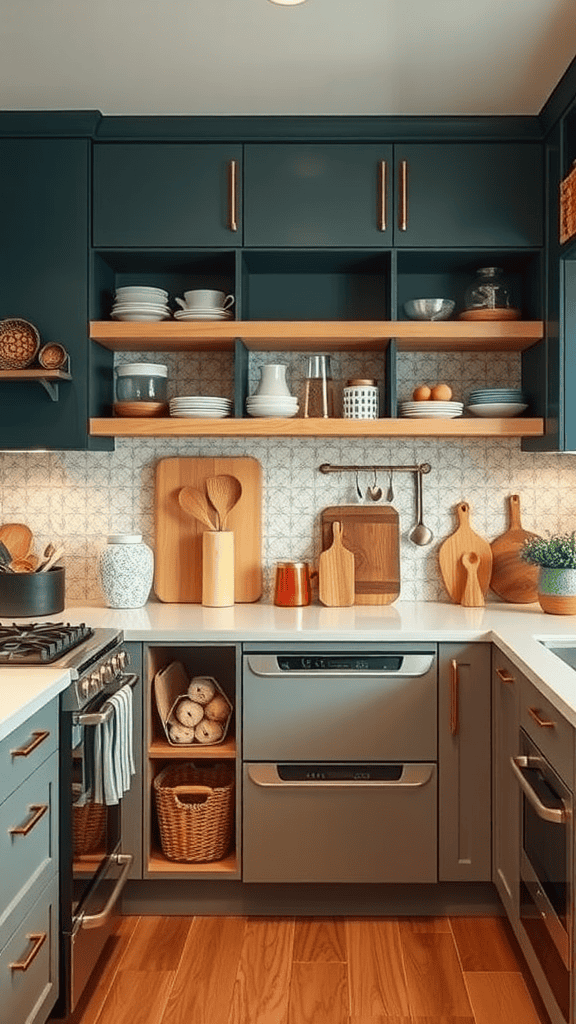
(464, 541)
(512, 579)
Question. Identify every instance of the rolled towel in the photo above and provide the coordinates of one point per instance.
(180, 733)
(208, 732)
(217, 709)
(189, 713)
(202, 689)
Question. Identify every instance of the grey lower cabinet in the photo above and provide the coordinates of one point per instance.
(464, 755)
(29, 915)
(505, 791)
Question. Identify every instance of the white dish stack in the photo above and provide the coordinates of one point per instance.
(272, 396)
(201, 407)
(504, 402)
(140, 302)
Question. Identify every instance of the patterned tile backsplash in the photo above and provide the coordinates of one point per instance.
(78, 498)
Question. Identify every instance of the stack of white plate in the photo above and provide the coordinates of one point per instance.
(431, 410)
(201, 407)
(271, 405)
(497, 402)
(209, 313)
(139, 302)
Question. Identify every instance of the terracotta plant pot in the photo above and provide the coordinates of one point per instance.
(557, 591)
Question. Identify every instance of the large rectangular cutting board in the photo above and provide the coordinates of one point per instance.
(178, 548)
(373, 535)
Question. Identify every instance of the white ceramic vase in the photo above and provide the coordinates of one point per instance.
(126, 571)
(273, 380)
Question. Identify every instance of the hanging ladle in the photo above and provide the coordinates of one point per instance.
(374, 492)
(420, 535)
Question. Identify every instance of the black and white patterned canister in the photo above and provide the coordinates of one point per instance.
(361, 400)
(126, 571)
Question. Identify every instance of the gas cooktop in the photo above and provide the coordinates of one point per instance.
(40, 643)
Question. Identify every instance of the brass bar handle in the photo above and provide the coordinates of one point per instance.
(403, 220)
(37, 939)
(454, 695)
(505, 676)
(557, 815)
(23, 830)
(382, 212)
(544, 723)
(39, 736)
(232, 168)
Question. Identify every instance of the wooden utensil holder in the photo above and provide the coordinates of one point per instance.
(218, 568)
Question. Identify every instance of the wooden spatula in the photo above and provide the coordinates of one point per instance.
(472, 596)
(463, 541)
(336, 573)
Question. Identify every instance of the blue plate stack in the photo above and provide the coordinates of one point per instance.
(497, 402)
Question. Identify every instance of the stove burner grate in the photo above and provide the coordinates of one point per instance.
(40, 643)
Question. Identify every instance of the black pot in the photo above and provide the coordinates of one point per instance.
(32, 593)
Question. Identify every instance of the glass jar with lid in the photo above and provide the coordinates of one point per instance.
(489, 290)
(141, 389)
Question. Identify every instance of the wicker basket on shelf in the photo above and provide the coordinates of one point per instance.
(19, 344)
(195, 807)
(88, 825)
(568, 206)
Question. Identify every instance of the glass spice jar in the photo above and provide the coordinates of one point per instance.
(489, 290)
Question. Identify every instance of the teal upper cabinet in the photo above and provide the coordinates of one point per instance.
(307, 196)
(469, 194)
(166, 194)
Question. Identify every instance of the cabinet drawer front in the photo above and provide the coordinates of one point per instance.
(33, 808)
(550, 731)
(27, 747)
(29, 995)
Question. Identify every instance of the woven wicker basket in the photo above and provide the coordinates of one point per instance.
(88, 827)
(568, 206)
(200, 827)
(19, 343)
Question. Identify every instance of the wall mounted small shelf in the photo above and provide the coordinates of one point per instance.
(49, 379)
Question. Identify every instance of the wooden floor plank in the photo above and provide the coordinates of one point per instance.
(157, 944)
(319, 940)
(377, 979)
(362, 1019)
(485, 944)
(261, 990)
(136, 997)
(434, 978)
(204, 982)
(426, 924)
(498, 996)
(319, 994)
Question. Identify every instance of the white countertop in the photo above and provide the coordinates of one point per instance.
(515, 629)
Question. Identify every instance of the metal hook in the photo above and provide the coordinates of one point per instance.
(358, 490)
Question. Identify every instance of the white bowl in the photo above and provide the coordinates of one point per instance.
(490, 409)
(267, 399)
(140, 292)
(145, 317)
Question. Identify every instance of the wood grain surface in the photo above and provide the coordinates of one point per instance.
(373, 537)
(178, 544)
(512, 579)
(464, 541)
(336, 572)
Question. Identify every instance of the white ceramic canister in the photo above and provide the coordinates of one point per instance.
(361, 400)
(126, 571)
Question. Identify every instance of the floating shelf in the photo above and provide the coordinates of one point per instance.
(49, 379)
(160, 749)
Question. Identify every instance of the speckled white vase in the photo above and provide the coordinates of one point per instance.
(126, 571)
(557, 591)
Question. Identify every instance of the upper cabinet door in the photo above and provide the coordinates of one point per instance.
(166, 194)
(317, 195)
(469, 194)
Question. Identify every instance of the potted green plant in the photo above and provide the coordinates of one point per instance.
(556, 557)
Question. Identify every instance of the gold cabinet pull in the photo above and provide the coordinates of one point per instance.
(403, 218)
(544, 723)
(505, 675)
(37, 939)
(382, 196)
(454, 695)
(39, 810)
(39, 736)
(232, 168)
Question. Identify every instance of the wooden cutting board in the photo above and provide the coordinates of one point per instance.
(464, 541)
(512, 579)
(336, 573)
(178, 547)
(373, 536)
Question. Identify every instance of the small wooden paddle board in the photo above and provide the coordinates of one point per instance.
(512, 579)
(373, 536)
(336, 572)
(464, 541)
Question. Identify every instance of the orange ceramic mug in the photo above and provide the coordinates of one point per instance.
(292, 584)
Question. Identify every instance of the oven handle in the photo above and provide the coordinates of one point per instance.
(556, 815)
(97, 920)
(107, 710)
(413, 775)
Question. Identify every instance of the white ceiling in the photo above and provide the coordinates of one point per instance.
(403, 57)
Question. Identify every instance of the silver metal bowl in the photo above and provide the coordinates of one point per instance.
(429, 309)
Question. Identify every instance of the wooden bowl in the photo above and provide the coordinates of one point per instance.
(19, 343)
(140, 408)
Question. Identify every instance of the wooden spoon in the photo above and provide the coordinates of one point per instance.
(56, 554)
(17, 538)
(472, 596)
(195, 504)
(224, 492)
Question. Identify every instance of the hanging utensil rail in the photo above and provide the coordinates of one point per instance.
(423, 467)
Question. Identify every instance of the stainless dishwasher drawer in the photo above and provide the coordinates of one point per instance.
(349, 826)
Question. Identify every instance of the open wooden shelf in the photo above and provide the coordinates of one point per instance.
(159, 864)
(312, 335)
(161, 749)
(173, 426)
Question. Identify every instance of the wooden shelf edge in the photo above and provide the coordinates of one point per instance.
(36, 374)
(160, 749)
(276, 427)
(158, 864)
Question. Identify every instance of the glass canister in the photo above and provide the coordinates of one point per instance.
(319, 388)
(489, 290)
(126, 570)
(141, 382)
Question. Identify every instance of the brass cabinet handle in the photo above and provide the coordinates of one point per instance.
(23, 830)
(544, 723)
(37, 939)
(232, 168)
(39, 736)
(403, 220)
(505, 676)
(382, 196)
(454, 695)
